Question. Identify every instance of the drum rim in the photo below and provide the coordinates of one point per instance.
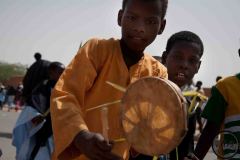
(168, 84)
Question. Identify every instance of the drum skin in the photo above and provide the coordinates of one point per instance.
(154, 117)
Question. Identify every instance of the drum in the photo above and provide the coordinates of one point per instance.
(154, 117)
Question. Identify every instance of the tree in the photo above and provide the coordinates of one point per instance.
(10, 70)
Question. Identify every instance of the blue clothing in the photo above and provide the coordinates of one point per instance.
(24, 138)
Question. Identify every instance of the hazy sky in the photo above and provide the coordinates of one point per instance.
(56, 28)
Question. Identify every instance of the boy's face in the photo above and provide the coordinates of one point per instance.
(56, 73)
(182, 62)
(141, 22)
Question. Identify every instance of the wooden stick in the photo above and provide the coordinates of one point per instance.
(46, 113)
(119, 140)
(116, 86)
(105, 126)
(103, 105)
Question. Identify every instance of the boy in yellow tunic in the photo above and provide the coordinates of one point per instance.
(77, 131)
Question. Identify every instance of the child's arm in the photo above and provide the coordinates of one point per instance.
(206, 139)
(67, 98)
(94, 146)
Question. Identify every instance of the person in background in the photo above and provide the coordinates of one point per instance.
(32, 134)
(40, 100)
(10, 96)
(199, 87)
(218, 78)
(2, 96)
(182, 58)
(35, 74)
(0, 152)
(222, 112)
(18, 97)
(77, 131)
(200, 90)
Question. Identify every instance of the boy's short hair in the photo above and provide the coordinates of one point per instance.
(186, 36)
(199, 83)
(37, 56)
(218, 78)
(55, 65)
(164, 6)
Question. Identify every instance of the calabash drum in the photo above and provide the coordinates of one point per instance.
(154, 116)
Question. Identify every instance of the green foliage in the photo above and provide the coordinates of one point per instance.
(10, 70)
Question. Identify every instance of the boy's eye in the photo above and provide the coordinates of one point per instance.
(130, 17)
(177, 57)
(152, 21)
(194, 61)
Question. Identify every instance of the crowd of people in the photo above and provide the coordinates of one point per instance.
(55, 122)
(10, 97)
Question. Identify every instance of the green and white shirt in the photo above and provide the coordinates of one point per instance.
(223, 107)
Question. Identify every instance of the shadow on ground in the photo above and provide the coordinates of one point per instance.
(6, 135)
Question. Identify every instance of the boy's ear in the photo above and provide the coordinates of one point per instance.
(199, 65)
(120, 14)
(164, 57)
(163, 24)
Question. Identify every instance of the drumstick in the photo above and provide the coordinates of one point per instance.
(119, 140)
(116, 86)
(103, 105)
(155, 157)
(104, 113)
(46, 113)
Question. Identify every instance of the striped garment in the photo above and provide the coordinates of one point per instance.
(223, 108)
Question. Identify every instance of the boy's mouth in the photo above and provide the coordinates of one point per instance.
(137, 38)
(181, 76)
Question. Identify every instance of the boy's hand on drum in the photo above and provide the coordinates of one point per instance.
(94, 146)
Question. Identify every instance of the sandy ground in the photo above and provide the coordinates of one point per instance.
(7, 122)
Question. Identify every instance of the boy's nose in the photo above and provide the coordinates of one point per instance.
(184, 64)
(140, 26)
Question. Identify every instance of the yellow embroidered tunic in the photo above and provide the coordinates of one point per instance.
(83, 86)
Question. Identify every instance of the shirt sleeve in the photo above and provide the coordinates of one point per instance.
(67, 98)
(214, 110)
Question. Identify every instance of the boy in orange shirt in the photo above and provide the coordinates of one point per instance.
(83, 85)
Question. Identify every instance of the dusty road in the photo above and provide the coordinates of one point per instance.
(7, 122)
